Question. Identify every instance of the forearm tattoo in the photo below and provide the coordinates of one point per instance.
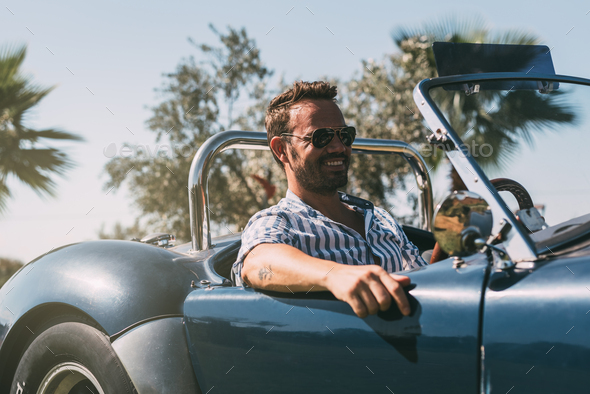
(265, 273)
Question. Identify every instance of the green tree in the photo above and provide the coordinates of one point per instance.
(199, 101)
(23, 153)
(504, 120)
(203, 98)
(7, 268)
(380, 102)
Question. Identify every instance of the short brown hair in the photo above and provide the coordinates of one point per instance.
(279, 110)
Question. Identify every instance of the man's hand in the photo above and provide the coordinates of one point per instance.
(368, 289)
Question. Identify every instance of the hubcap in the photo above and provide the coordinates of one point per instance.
(64, 376)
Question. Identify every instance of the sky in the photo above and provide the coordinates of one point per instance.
(106, 58)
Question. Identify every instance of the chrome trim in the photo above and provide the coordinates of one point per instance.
(235, 139)
(518, 245)
(64, 376)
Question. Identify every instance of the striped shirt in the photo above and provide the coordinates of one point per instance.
(293, 222)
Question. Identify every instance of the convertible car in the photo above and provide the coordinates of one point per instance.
(506, 309)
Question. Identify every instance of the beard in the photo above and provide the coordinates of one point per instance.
(313, 177)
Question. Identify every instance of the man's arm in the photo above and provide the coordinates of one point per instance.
(366, 288)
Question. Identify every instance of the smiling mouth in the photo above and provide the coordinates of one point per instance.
(334, 163)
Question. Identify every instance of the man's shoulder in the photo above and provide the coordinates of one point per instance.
(275, 210)
(385, 215)
(383, 212)
(284, 209)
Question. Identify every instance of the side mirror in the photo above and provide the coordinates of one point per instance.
(159, 239)
(459, 220)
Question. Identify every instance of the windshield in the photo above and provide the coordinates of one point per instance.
(534, 132)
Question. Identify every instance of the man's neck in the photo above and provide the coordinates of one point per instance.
(329, 205)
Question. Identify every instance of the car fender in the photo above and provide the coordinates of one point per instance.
(167, 368)
(118, 284)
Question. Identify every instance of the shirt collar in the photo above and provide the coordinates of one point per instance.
(345, 198)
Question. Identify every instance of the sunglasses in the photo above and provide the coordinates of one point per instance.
(322, 137)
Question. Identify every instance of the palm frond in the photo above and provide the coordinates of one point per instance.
(516, 37)
(19, 153)
(4, 196)
(52, 134)
(11, 58)
(33, 167)
(525, 111)
(450, 28)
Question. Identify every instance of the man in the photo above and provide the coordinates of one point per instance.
(318, 239)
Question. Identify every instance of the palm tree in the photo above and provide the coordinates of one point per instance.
(22, 154)
(500, 128)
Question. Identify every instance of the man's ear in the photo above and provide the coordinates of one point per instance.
(279, 148)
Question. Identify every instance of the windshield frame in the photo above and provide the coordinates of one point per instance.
(518, 244)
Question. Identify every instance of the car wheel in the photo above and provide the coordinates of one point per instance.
(70, 357)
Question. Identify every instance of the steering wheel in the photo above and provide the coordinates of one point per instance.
(501, 184)
(516, 189)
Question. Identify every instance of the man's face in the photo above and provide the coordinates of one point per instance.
(318, 170)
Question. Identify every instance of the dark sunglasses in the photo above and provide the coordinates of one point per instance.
(322, 137)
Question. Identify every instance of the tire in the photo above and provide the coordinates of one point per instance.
(70, 357)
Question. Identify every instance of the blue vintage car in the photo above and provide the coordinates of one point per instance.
(507, 311)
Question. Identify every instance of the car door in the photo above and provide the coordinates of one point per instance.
(535, 327)
(246, 340)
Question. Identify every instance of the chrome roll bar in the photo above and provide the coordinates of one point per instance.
(198, 187)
